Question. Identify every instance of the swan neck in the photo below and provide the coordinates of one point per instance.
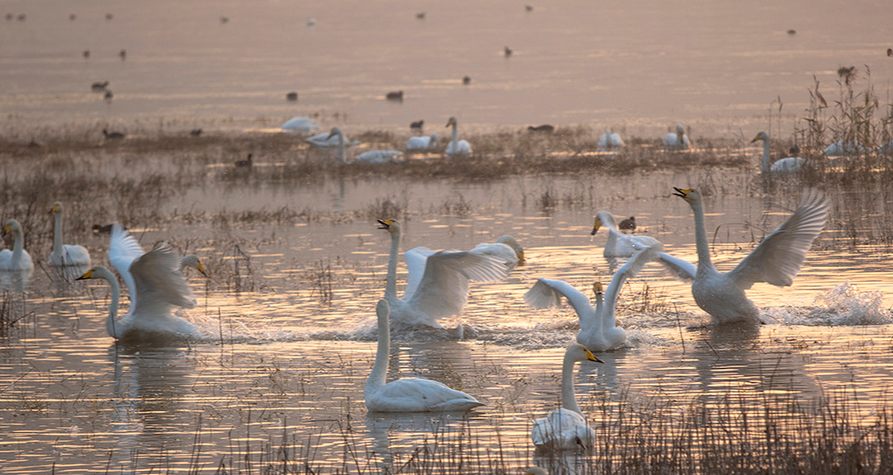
(764, 165)
(112, 324)
(701, 237)
(57, 234)
(568, 398)
(455, 133)
(18, 246)
(390, 290)
(380, 367)
(341, 158)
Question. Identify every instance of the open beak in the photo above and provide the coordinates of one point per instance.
(681, 193)
(384, 224)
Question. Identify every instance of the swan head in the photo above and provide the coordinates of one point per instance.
(335, 132)
(390, 225)
(761, 136)
(596, 226)
(680, 130)
(383, 309)
(512, 243)
(451, 122)
(191, 260)
(56, 208)
(578, 352)
(597, 289)
(12, 226)
(689, 195)
(87, 275)
(603, 218)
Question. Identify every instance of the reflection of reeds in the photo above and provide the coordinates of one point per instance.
(321, 278)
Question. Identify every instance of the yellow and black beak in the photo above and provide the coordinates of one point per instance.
(597, 288)
(755, 139)
(87, 275)
(450, 122)
(386, 224)
(593, 357)
(598, 224)
(201, 269)
(682, 193)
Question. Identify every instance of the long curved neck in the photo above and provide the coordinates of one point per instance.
(568, 398)
(390, 290)
(607, 313)
(341, 158)
(599, 308)
(701, 238)
(764, 165)
(112, 324)
(57, 234)
(18, 246)
(379, 372)
(455, 133)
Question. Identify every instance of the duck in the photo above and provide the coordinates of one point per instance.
(407, 394)
(678, 140)
(423, 143)
(456, 146)
(18, 259)
(566, 428)
(776, 260)
(782, 166)
(505, 248)
(610, 141)
(112, 135)
(437, 282)
(544, 128)
(598, 324)
(628, 225)
(65, 254)
(247, 163)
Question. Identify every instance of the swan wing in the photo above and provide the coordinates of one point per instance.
(680, 268)
(76, 255)
(415, 264)
(562, 429)
(123, 250)
(778, 258)
(498, 250)
(160, 285)
(443, 290)
(547, 293)
(632, 267)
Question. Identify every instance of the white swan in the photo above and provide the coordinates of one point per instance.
(456, 146)
(782, 166)
(328, 140)
(65, 254)
(841, 148)
(408, 394)
(300, 125)
(159, 287)
(423, 143)
(437, 284)
(776, 260)
(372, 156)
(18, 258)
(505, 248)
(598, 325)
(678, 140)
(124, 250)
(610, 141)
(566, 428)
(618, 244)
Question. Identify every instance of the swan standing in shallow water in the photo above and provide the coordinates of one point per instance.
(610, 141)
(776, 260)
(598, 324)
(408, 394)
(437, 284)
(678, 140)
(456, 146)
(784, 165)
(18, 258)
(505, 248)
(619, 244)
(372, 156)
(566, 428)
(423, 143)
(159, 288)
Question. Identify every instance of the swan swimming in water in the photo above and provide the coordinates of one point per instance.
(678, 140)
(598, 324)
(456, 146)
(159, 288)
(784, 165)
(776, 260)
(408, 394)
(372, 156)
(505, 248)
(300, 125)
(437, 284)
(566, 428)
(18, 258)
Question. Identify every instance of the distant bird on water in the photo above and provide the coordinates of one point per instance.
(108, 96)
(419, 124)
(112, 135)
(678, 140)
(890, 52)
(292, 96)
(610, 141)
(394, 96)
(466, 80)
(507, 51)
(99, 86)
(544, 128)
(247, 163)
(86, 54)
(420, 15)
(123, 54)
(195, 132)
